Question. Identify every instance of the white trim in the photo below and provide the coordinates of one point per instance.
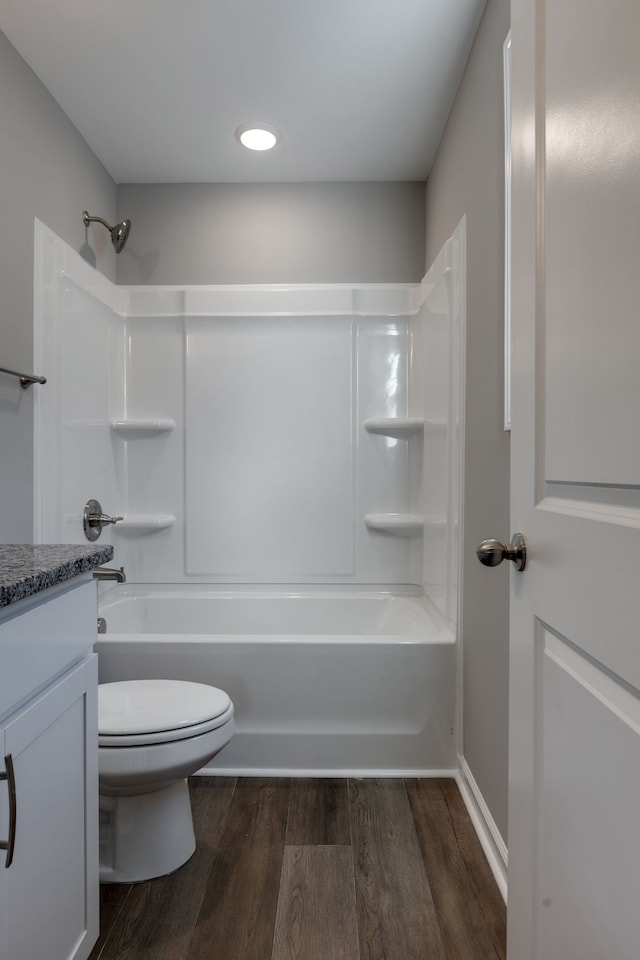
(365, 773)
(489, 836)
(270, 300)
(594, 678)
(624, 516)
(461, 235)
(506, 60)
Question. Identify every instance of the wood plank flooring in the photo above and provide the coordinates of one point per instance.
(308, 869)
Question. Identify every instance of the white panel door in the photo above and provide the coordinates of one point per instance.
(574, 802)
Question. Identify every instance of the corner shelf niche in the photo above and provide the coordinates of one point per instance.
(141, 429)
(401, 428)
(139, 523)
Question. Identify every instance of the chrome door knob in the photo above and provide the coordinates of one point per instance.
(492, 552)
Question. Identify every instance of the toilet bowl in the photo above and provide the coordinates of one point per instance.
(152, 735)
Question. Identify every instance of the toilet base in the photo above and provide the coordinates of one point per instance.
(145, 836)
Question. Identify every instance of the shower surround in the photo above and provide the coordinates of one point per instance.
(268, 443)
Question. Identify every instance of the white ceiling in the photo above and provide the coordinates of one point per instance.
(359, 89)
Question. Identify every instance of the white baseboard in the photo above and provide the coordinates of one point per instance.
(491, 841)
(320, 772)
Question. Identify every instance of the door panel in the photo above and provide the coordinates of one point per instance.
(574, 819)
(591, 229)
(587, 729)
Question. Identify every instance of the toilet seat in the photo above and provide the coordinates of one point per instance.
(140, 712)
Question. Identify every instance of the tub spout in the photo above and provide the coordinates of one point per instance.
(110, 573)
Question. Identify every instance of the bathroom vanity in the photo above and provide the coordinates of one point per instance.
(48, 752)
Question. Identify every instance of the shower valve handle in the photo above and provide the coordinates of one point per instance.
(93, 519)
(101, 519)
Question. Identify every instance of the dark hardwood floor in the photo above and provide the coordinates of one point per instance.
(315, 870)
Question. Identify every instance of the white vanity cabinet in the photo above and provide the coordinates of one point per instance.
(49, 760)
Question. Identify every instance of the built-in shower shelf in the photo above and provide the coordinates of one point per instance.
(399, 524)
(137, 523)
(401, 428)
(140, 429)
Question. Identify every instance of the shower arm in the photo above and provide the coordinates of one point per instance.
(87, 220)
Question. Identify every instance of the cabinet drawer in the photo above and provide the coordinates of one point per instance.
(41, 636)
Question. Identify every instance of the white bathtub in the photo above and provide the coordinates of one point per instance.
(324, 682)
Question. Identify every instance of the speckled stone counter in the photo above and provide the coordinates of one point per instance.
(27, 568)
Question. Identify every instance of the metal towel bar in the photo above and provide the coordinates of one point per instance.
(26, 379)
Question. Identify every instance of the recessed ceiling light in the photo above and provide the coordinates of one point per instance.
(257, 136)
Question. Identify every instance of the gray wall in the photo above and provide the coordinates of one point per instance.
(273, 233)
(49, 172)
(468, 178)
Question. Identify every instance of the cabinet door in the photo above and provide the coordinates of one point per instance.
(4, 834)
(50, 891)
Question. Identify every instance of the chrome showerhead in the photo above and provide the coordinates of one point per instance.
(119, 233)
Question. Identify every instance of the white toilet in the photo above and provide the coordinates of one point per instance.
(153, 734)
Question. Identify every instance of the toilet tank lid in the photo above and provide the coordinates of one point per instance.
(144, 706)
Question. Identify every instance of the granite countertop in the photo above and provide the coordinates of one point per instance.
(27, 568)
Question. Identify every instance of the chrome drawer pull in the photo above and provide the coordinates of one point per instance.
(10, 777)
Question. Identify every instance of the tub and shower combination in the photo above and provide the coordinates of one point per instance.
(286, 460)
(322, 682)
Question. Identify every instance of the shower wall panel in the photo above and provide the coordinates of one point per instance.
(437, 364)
(154, 378)
(232, 427)
(79, 343)
(269, 472)
(269, 459)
